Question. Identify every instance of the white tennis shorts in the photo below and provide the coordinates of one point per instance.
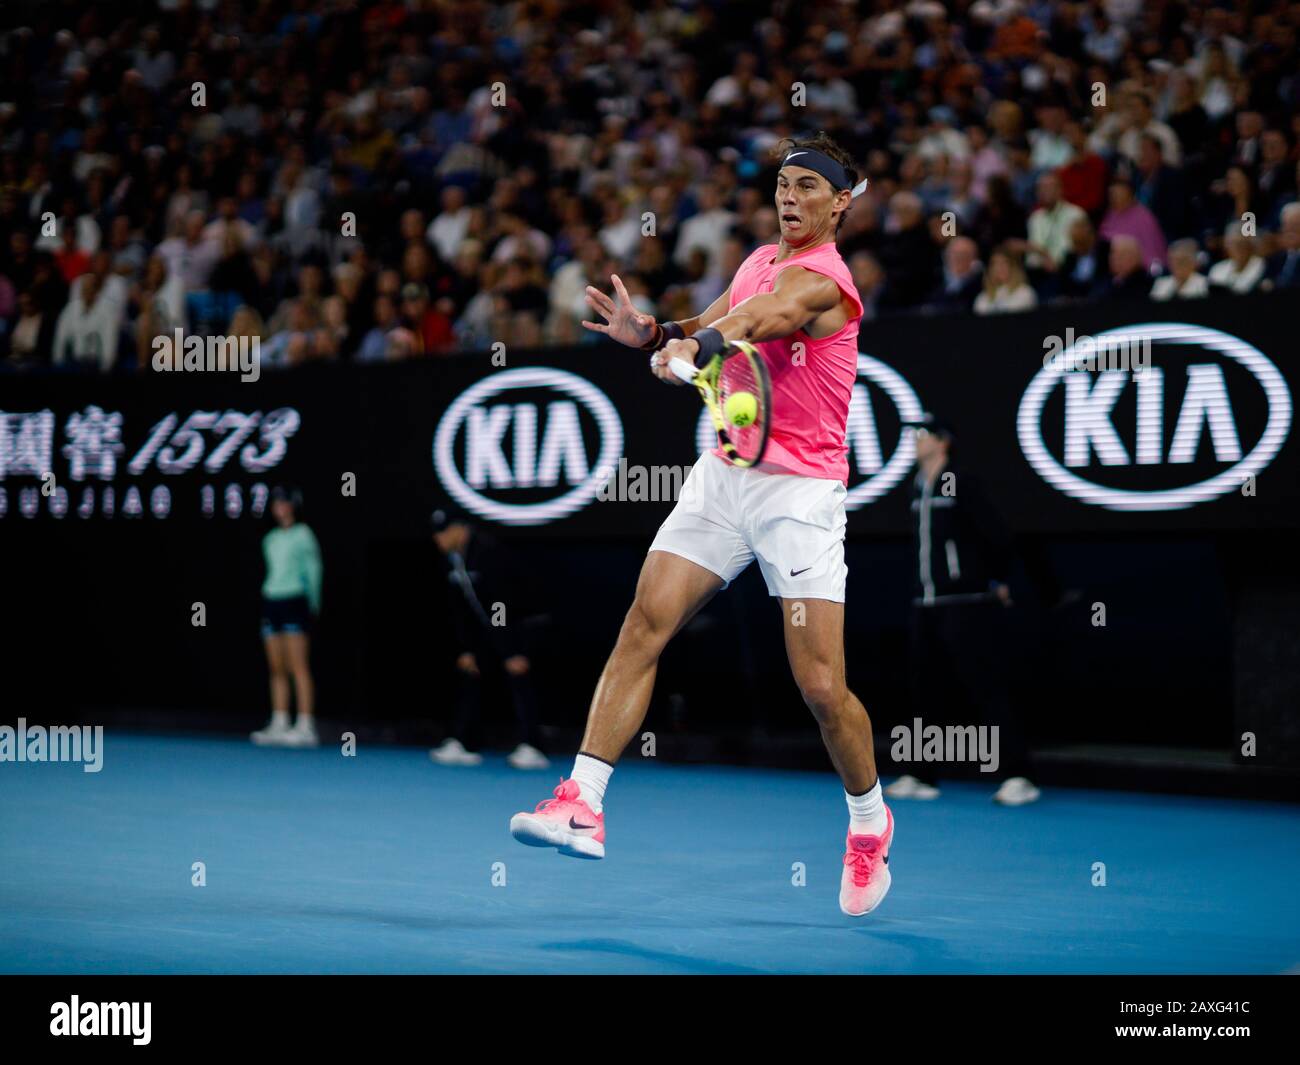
(726, 517)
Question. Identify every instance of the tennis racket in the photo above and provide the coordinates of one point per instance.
(737, 391)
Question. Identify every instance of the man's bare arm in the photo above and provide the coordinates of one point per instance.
(797, 297)
(715, 310)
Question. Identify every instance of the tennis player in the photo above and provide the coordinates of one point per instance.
(796, 302)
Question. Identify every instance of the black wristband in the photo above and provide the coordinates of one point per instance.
(711, 342)
(663, 333)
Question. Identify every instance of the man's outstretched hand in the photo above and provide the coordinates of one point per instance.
(623, 322)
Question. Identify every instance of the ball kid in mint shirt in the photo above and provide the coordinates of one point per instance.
(293, 565)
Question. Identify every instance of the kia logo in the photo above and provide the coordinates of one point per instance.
(866, 448)
(1142, 442)
(548, 459)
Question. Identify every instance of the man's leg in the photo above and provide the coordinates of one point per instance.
(814, 643)
(704, 526)
(670, 591)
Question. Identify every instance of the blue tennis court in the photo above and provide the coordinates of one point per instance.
(319, 863)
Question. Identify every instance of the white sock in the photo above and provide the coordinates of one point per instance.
(592, 776)
(867, 812)
(279, 719)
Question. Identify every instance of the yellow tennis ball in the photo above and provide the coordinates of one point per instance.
(741, 409)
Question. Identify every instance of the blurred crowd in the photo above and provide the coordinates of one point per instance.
(369, 181)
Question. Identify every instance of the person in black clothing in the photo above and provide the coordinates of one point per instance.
(963, 276)
(482, 578)
(1129, 280)
(1160, 188)
(1276, 178)
(1002, 218)
(1083, 271)
(959, 620)
(909, 256)
(1284, 265)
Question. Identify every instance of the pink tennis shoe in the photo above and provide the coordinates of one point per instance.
(865, 880)
(565, 822)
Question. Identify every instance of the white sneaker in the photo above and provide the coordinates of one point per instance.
(453, 753)
(908, 787)
(273, 734)
(1016, 791)
(526, 756)
(303, 734)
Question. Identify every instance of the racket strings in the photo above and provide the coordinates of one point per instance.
(739, 375)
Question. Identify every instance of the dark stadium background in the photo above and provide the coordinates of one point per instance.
(372, 108)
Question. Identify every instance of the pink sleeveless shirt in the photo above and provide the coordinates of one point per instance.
(810, 394)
